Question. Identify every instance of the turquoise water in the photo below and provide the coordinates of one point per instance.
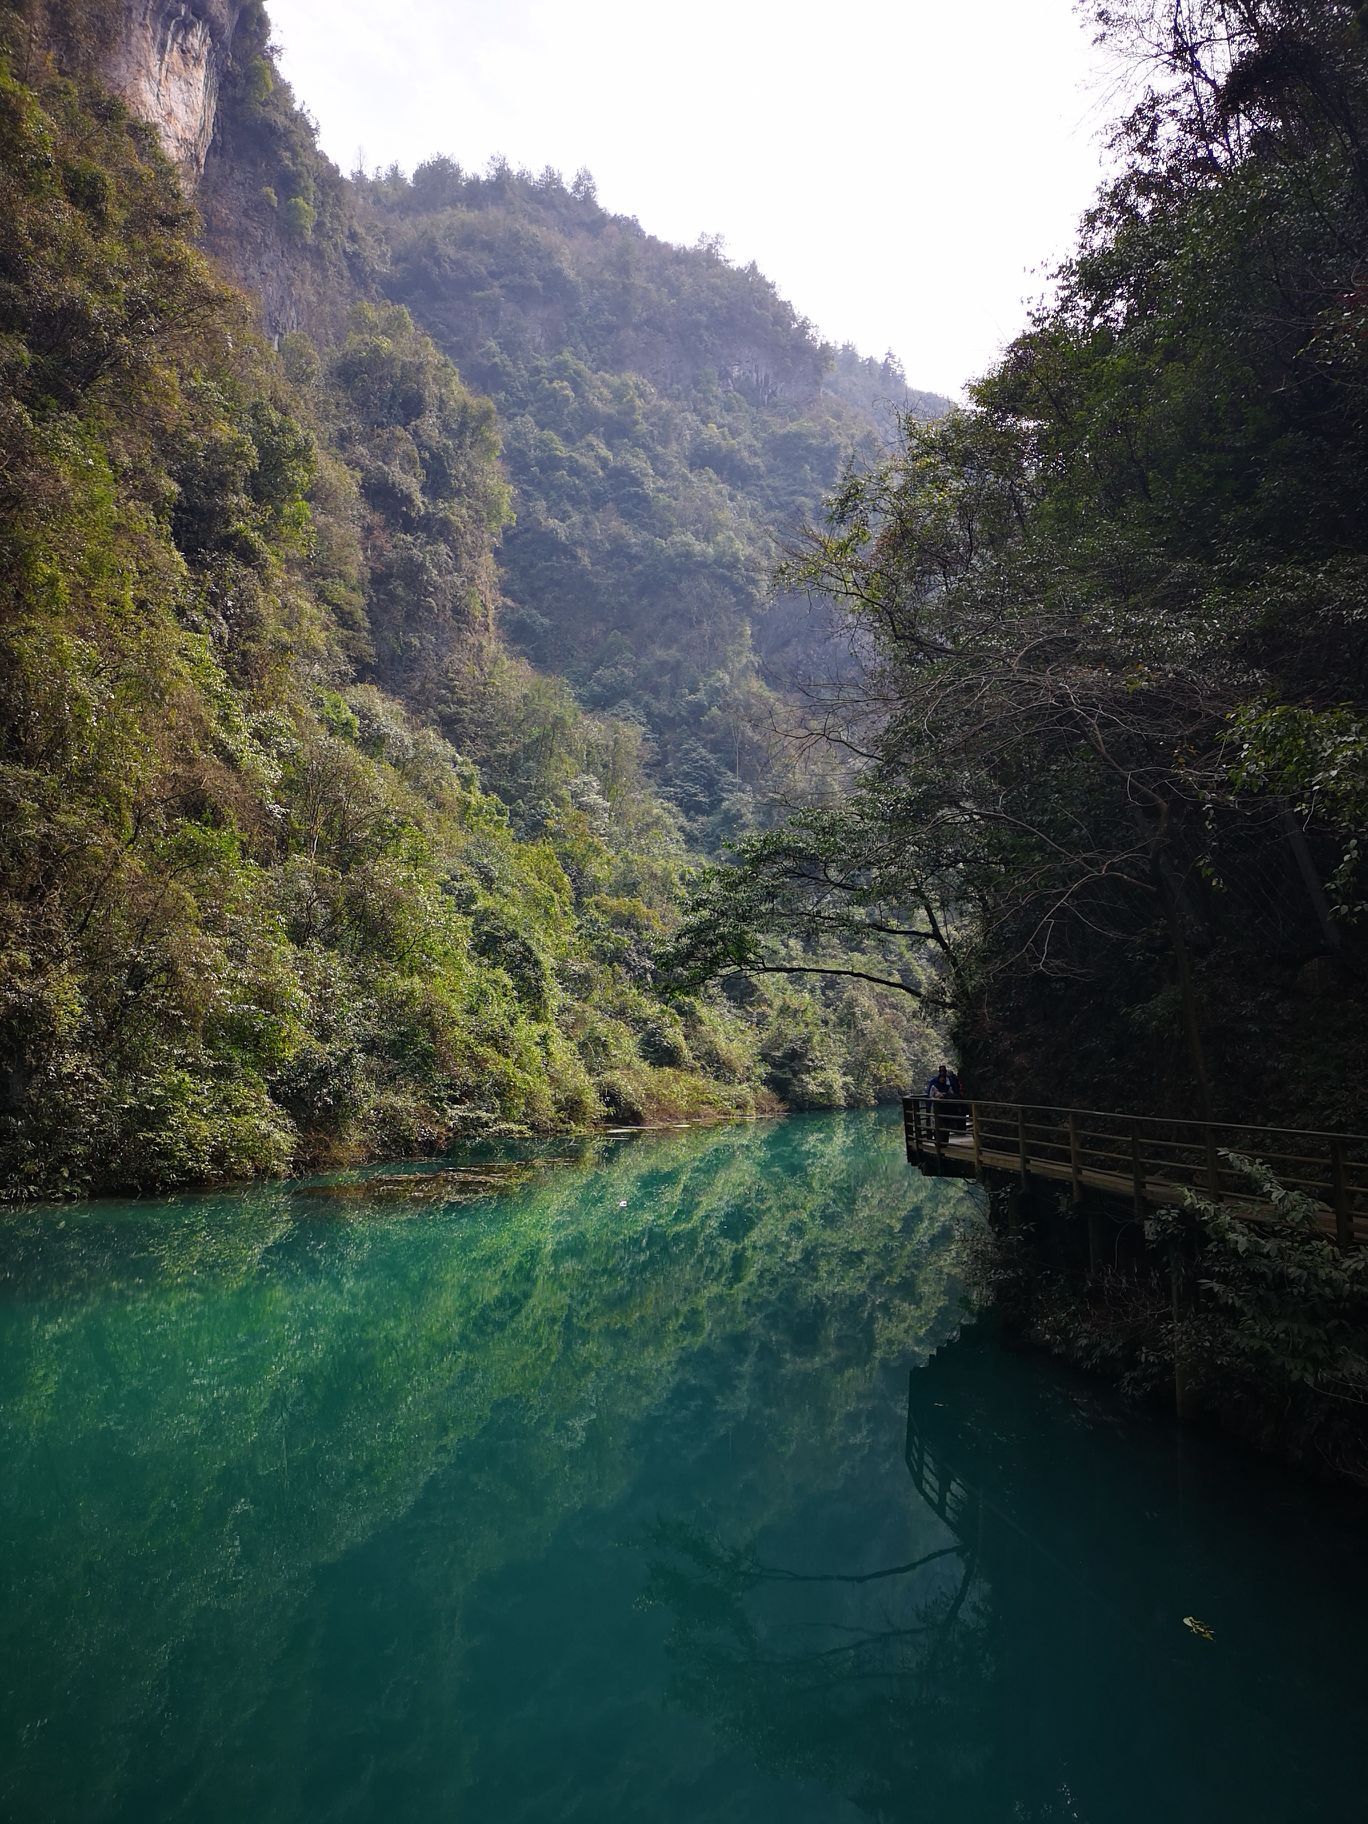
(654, 1482)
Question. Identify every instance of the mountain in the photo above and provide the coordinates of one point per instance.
(305, 861)
(667, 420)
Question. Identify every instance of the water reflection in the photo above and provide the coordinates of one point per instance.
(1099, 1543)
(597, 1491)
(270, 1457)
(857, 1679)
(1037, 1665)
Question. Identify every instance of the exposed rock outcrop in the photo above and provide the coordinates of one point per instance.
(167, 63)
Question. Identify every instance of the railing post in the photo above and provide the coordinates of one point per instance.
(1344, 1221)
(1021, 1144)
(1137, 1170)
(978, 1150)
(1075, 1159)
(937, 1134)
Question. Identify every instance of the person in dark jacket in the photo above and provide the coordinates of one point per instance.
(944, 1092)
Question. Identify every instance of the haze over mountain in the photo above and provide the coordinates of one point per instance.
(907, 184)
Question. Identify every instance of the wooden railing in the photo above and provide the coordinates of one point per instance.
(1148, 1159)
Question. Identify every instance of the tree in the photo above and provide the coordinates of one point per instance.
(1087, 604)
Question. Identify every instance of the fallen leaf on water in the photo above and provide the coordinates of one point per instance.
(1199, 1628)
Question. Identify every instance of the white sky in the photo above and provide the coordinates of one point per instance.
(905, 172)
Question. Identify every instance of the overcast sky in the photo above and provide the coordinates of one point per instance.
(906, 171)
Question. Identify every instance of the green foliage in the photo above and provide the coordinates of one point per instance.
(1317, 761)
(424, 451)
(274, 210)
(300, 217)
(1282, 1312)
(254, 911)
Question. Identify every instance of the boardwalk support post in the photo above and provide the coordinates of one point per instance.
(1181, 1284)
(1212, 1162)
(1097, 1236)
(1344, 1221)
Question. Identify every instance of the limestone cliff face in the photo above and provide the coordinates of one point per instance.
(166, 63)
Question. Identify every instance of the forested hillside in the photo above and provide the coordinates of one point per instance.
(1117, 716)
(669, 419)
(301, 862)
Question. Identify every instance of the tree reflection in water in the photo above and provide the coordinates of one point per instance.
(1037, 1666)
(314, 1509)
(856, 1680)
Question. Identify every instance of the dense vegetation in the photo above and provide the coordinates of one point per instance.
(301, 861)
(667, 416)
(1114, 719)
(1261, 1327)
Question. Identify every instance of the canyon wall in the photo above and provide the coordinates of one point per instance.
(166, 63)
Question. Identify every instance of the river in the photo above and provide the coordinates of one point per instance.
(654, 1479)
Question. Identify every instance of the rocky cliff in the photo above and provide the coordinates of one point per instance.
(166, 62)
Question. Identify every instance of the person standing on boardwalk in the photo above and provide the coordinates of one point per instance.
(944, 1092)
(945, 1083)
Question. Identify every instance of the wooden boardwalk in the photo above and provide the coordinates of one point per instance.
(1145, 1160)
